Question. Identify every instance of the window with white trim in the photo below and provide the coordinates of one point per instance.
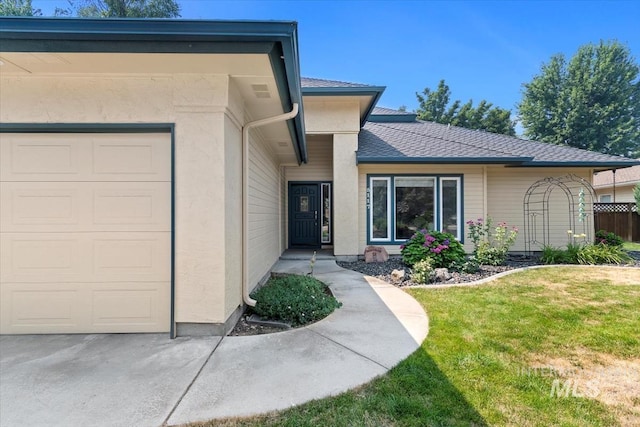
(400, 205)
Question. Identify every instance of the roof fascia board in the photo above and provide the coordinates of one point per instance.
(605, 165)
(440, 160)
(278, 39)
(392, 118)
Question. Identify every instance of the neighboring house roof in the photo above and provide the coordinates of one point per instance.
(625, 176)
(400, 141)
(278, 39)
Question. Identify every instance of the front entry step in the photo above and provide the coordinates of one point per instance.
(306, 254)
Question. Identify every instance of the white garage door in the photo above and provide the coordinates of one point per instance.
(85, 233)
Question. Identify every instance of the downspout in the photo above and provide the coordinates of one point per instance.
(245, 195)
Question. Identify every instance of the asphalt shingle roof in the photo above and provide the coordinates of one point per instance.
(430, 142)
(390, 112)
(317, 83)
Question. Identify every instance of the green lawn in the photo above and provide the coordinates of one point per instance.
(631, 246)
(493, 354)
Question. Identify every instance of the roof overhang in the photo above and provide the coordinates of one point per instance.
(515, 161)
(368, 94)
(276, 39)
(598, 166)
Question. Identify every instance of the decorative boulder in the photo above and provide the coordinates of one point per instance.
(397, 276)
(375, 254)
(441, 274)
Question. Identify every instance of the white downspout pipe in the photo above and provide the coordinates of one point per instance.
(245, 195)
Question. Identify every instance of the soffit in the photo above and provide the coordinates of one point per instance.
(252, 74)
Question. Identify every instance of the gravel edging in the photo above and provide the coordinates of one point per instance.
(486, 274)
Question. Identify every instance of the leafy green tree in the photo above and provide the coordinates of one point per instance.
(591, 101)
(121, 9)
(636, 195)
(435, 106)
(18, 8)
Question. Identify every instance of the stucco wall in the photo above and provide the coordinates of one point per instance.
(197, 104)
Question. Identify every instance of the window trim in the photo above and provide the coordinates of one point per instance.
(390, 179)
(460, 223)
(604, 195)
(390, 214)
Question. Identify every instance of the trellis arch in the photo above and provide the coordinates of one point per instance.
(580, 195)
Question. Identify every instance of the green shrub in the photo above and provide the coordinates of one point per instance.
(491, 244)
(602, 254)
(294, 299)
(443, 248)
(468, 265)
(551, 255)
(592, 254)
(608, 238)
(423, 271)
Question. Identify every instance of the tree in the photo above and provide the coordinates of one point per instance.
(121, 9)
(435, 107)
(636, 195)
(18, 8)
(590, 102)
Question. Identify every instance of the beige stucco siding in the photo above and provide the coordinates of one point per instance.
(507, 188)
(473, 193)
(197, 105)
(264, 210)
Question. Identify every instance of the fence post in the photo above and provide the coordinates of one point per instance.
(630, 222)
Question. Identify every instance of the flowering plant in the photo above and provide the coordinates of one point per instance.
(442, 248)
(491, 244)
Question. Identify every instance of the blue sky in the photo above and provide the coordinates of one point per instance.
(484, 50)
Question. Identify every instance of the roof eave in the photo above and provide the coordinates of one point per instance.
(278, 39)
(441, 160)
(601, 166)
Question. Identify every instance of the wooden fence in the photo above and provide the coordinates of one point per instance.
(620, 218)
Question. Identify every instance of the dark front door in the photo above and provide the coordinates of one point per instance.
(304, 214)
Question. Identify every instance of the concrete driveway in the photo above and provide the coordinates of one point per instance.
(96, 380)
(150, 380)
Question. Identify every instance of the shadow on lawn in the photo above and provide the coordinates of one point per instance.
(427, 396)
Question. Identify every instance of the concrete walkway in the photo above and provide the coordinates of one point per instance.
(148, 380)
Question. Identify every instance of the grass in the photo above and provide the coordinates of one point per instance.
(631, 246)
(493, 353)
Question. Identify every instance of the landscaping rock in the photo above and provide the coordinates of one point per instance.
(397, 276)
(441, 274)
(375, 254)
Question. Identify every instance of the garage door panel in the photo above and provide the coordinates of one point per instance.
(129, 256)
(113, 307)
(82, 207)
(130, 304)
(24, 205)
(139, 207)
(34, 157)
(37, 257)
(85, 157)
(85, 257)
(33, 307)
